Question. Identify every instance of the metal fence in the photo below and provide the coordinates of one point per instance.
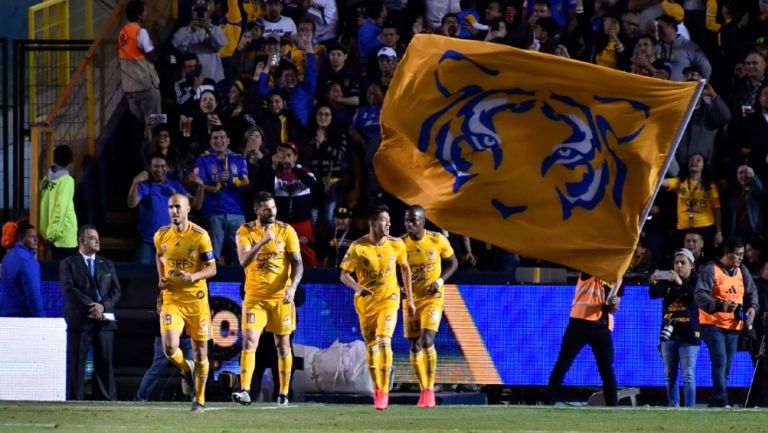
(71, 92)
(37, 86)
(65, 19)
(76, 110)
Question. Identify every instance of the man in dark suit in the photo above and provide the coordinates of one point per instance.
(91, 290)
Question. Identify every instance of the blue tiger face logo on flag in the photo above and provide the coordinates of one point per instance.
(467, 128)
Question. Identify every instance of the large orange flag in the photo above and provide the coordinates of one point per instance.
(543, 156)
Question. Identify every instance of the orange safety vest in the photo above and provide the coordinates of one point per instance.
(725, 288)
(589, 301)
(128, 42)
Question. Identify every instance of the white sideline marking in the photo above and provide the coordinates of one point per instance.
(181, 408)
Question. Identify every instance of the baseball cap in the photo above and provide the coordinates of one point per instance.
(342, 212)
(387, 52)
(288, 145)
(687, 253)
(337, 46)
(272, 38)
(673, 10)
(692, 68)
(256, 23)
(669, 19)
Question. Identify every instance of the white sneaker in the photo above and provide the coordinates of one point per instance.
(197, 407)
(242, 397)
(188, 379)
(282, 400)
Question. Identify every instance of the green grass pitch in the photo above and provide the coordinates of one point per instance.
(23, 417)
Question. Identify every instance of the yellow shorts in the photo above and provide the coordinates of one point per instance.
(429, 312)
(194, 317)
(273, 315)
(377, 318)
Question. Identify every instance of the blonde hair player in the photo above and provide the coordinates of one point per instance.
(184, 262)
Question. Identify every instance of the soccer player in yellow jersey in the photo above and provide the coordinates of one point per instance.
(270, 253)
(184, 262)
(425, 250)
(374, 259)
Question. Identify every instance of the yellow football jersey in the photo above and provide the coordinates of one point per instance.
(424, 259)
(186, 251)
(376, 265)
(695, 204)
(267, 277)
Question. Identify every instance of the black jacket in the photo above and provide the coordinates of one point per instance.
(79, 290)
(680, 307)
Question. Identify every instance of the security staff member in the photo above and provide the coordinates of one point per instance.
(591, 323)
(727, 300)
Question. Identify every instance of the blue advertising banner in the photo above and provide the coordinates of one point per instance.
(489, 334)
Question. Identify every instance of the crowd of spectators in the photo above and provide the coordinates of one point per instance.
(285, 96)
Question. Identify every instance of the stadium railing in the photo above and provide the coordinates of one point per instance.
(89, 93)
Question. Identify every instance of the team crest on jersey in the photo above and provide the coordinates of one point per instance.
(200, 295)
(191, 252)
(431, 254)
(234, 170)
(366, 262)
(391, 260)
(214, 169)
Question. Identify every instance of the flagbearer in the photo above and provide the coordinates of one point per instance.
(591, 323)
(427, 277)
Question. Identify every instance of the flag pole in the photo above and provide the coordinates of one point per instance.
(673, 149)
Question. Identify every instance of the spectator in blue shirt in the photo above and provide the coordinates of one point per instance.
(20, 285)
(366, 133)
(368, 40)
(150, 191)
(365, 124)
(224, 177)
(300, 93)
